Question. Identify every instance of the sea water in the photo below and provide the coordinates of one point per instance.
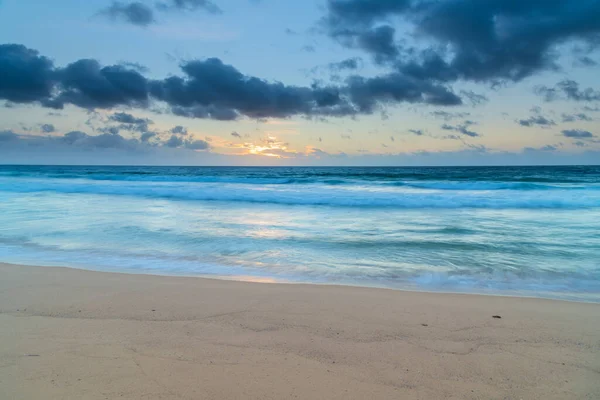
(532, 231)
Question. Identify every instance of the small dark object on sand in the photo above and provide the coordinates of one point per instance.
(424, 325)
(496, 316)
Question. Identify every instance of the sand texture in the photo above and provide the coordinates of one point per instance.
(71, 334)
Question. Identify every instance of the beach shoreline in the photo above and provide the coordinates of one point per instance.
(81, 334)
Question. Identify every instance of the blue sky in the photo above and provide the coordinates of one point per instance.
(258, 82)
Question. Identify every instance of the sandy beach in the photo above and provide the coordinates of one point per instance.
(73, 334)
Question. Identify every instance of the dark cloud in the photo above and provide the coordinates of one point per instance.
(146, 136)
(140, 14)
(197, 145)
(206, 112)
(473, 40)
(418, 132)
(212, 89)
(445, 115)
(567, 90)
(577, 134)
(236, 135)
(134, 13)
(174, 141)
(361, 13)
(474, 98)
(86, 84)
(8, 136)
(369, 93)
(113, 130)
(130, 122)
(179, 130)
(575, 117)
(207, 89)
(462, 128)
(380, 42)
(347, 64)
(126, 118)
(25, 76)
(47, 128)
(103, 141)
(109, 145)
(534, 120)
(190, 5)
(586, 61)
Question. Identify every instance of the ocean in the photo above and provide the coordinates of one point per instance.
(526, 231)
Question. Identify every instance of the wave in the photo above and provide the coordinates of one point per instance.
(487, 185)
(573, 285)
(352, 196)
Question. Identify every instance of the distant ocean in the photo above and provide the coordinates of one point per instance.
(532, 231)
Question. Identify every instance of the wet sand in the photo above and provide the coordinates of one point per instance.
(72, 334)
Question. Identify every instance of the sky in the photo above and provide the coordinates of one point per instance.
(314, 82)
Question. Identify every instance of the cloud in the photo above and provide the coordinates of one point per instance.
(134, 13)
(534, 120)
(179, 130)
(208, 89)
(113, 130)
(135, 66)
(591, 109)
(418, 132)
(462, 128)
(127, 118)
(470, 40)
(8, 136)
(567, 90)
(213, 89)
(146, 136)
(547, 147)
(236, 135)
(143, 15)
(445, 115)
(47, 128)
(368, 94)
(130, 122)
(347, 64)
(197, 145)
(474, 98)
(80, 148)
(25, 76)
(190, 5)
(174, 141)
(575, 117)
(577, 134)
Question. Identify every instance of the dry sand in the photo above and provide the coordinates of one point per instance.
(71, 334)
